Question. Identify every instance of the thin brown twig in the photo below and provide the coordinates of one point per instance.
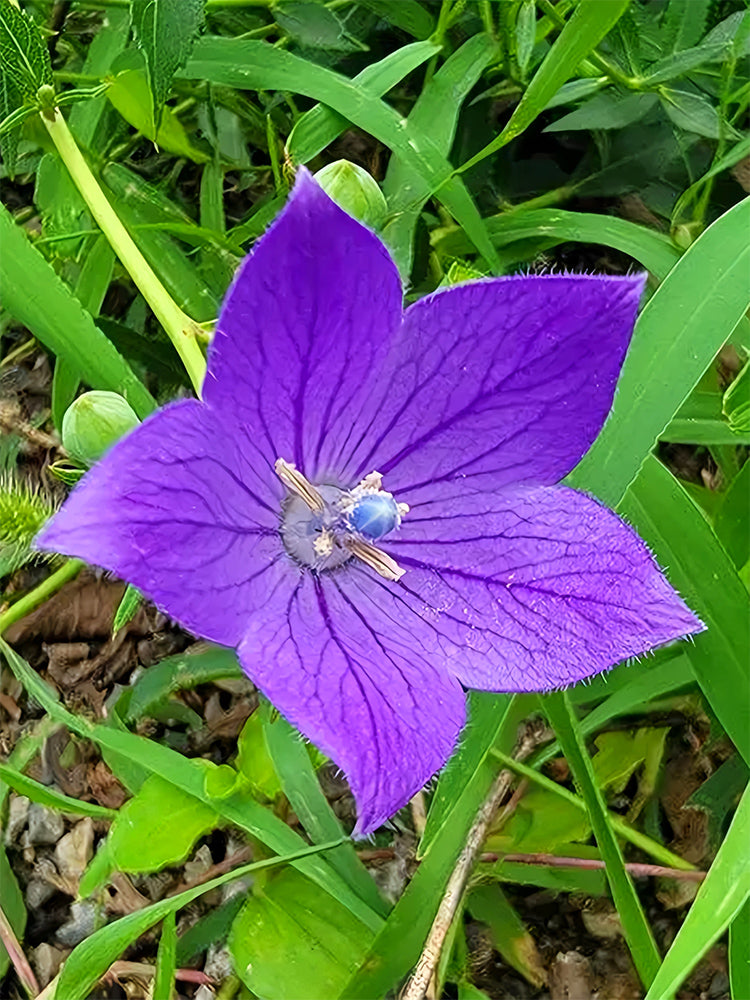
(635, 869)
(20, 963)
(419, 984)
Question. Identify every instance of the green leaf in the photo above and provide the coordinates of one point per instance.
(525, 34)
(489, 904)
(691, 112)
(49, 796)
(590, 22)
(681, 539)
(127, 608)
(35, 296)
(731, 524)
(679, 332)
(23, 55)
(409, 15)
(320, 126)
(312, 25)
(635, 927)
(739, 954)
(166, 960)
(611, 109)
(252, 65)
(180, 673)
(291, 940)
(684, 23)
(700, 421)
(13, 905)
(681, 63)
(736, 403)
(720, 899)
(299, 782)
(435, 114)
(91, 959)
(156, 828)
(165, 31)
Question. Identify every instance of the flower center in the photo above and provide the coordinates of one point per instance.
(322, 527)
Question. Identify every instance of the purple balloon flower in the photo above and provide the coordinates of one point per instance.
(272, 515)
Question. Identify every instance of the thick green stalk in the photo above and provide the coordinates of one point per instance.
(180, 329)
(48, 587)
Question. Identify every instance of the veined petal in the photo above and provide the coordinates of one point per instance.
(182, 509)
(355, 682)
(310, 313)
(533, 588)
(502, 382)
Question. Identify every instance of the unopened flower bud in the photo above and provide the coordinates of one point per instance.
(93, 422)
(355, 191)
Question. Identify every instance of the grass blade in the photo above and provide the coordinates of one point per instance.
(166, 960)
(720, 899)
(635, 927)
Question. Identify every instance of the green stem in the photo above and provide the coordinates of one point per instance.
(180, 329)
(50, 586)
(635, 837)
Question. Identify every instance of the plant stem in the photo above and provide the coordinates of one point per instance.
(180, 329)
(39, 595)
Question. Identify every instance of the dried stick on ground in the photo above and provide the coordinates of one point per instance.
(419, 984)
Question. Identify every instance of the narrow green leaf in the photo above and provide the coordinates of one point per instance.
(50, 797)
(558, 708)
(253, 65)
(739, 954)
(510, 937)
(127, 608)
(180, 673)
(435, 114)
(590, 22)
(165, 32)
(35, 296)
(409, 15)
(682, 540)
(91, 959)
(700, 421)
(320, 126)
(677, 336)
(681, 63)
(300, 785)
(736, 403)
(732, 524)
(720, 899)
(608, 110)
(166, 960)
(13, 905)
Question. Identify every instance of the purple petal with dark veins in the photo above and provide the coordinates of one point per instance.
(181, 511)
(310, 314)
(503, 381)
(532, 588)
(358, 685)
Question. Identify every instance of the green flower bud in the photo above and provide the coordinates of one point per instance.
(93, 422)
(355, 191)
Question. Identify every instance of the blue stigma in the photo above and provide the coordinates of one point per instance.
(374, 515)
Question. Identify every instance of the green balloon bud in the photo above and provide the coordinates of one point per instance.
(355, 191)
(93, 422)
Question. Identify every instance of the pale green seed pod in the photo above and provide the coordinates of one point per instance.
(355, 191)
(93, 422)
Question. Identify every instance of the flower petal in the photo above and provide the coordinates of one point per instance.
(503, 381)
(534, 588)
(310, 313)
(179, 509)
(356, 684)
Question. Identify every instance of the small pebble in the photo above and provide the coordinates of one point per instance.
(45, 826)
(18, 814)
(46, 961)
(84, 919)
(73, 851)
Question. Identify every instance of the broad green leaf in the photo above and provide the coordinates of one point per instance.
(166, 960)
(154, 829)
(299, 782)
(50, 797)
(720, 899)
(610, 109)
(23, 55)
(130, 95)
(13, 906)
(682, 540)
(590, 22)
(290, 940)
(435, 114)
(165, 31)
(253, 65)
(700, 421)
(35, 296)
(91, 959)
(684, 23)
(679, 332)
(691, 112)
(636, 930)
(313, 25)
(320, 126)
(409, 15)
